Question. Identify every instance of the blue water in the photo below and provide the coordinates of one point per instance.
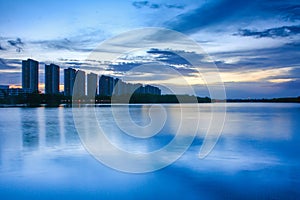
(256, 157)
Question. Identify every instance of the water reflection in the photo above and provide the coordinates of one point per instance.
(52, 126)
(68, 128)
(257, 156)
(30, 128)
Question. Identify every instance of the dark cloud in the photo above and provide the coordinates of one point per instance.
(286, 55)
(3, 64)
(6, 64)
(123, 67)
(288, 10)
(262, 89)
(17, 43)
(169, 57)
(2, 48)
(289, 85)
(152, 67)
(142, 4)
(211, 13)
(283, 31)
(76, 63)
(221, 14)
(178, 6)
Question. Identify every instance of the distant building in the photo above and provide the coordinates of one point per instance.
(5, 91)
(69, 79)
(51, 79)
(139, 89)
(17, 91)
(149, 89)
(106, 85)
(119, 87)
(157, 91)
(30, 75)
(4, 87)
(79, 84)
(91, 85)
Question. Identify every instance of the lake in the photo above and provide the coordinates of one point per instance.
(256, 157)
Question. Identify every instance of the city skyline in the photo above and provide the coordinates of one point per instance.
(255, 45)
(86, 85)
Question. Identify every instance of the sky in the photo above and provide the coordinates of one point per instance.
(254, 44)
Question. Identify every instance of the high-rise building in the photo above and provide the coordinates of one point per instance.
(79, 84)
(149, 89)
(69, 78)
(30, 75)
(106, 85)
(116, 88)
(91, 85)
(51, 79)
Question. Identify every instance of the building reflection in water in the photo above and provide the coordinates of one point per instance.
(47, 127)
(52, 126)
(30, 128)
(69, 130)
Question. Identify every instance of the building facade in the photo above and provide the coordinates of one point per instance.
(79, 84)
(69, 79)
(109, 86)
(106, 85)
(51, 79)
(30, 75)
(92, 85)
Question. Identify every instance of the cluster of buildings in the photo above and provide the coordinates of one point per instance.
(89, 85)
(105, 86)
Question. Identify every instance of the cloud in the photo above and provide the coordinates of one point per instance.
(154, 59)
(210, 13)
(263, 89)
(143, 4)
(17, 43)
(293, 75)
(289, 85)
(284, 31)
(65, 44)
(140, 4)
(122, 67)
(223, 14)
(288, 10)
(6, 64)
(83, 40)
(286, 55)
(178, 6)
(3, 64)
(9, 78)
(2, 48)
(169, 56)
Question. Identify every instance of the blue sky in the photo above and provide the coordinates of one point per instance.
(255, 44)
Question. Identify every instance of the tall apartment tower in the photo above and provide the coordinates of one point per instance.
(79, 84)
(51, 79)
(69, 78)
(91, 85)
(106, 85)
(30, 75)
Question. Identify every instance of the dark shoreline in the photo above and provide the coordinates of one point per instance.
(110, 104)
(38, 100)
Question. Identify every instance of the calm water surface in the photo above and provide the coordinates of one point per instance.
(256, 157)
